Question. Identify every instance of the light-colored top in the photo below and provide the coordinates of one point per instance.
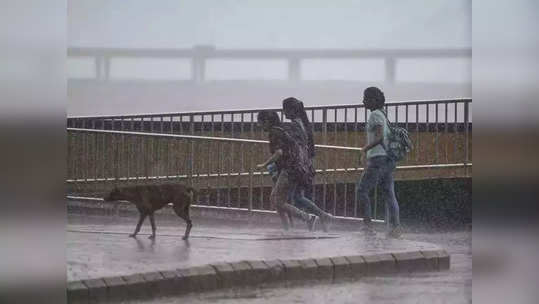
(377, 118)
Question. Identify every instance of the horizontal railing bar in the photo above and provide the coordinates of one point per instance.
(178, 136)
(330, 107)
(98, 199)
(346, 170)
(194, 137)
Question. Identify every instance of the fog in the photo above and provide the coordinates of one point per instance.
(156, 83)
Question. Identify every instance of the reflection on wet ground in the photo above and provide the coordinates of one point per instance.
(99, 246)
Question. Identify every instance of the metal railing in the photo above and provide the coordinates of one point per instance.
(439, 129)
(223, 169)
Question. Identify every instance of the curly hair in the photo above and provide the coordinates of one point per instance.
(376, 94)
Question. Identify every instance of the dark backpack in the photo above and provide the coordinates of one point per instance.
(399, 143)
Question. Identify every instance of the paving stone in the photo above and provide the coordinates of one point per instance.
(293, 270)
(185, 281)
(388, 263)
(207, 278)
(77, 292)
(243, 273)
(203, 278)
(136, 286)
(154, 283)
(226, 274)
(170, 284)
(97, 290)
(381, 263)
(410, 261)
(116, 288)
(277, 271)
(309, 269)
(358, 266)
(325, 269)
(444, 260)
(341, 268)
(431, 258)
(261, 271)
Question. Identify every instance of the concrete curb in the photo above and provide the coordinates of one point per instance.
(247, 273)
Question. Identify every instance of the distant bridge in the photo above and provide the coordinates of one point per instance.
(199, 55)
(104, 88)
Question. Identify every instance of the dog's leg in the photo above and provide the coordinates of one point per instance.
(189, 223)
(184, 214)
(140, 221)
(152, 221)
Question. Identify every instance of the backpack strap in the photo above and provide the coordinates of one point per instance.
(390, 130)
(387, 120)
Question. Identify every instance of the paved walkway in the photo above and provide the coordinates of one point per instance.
(99, 246)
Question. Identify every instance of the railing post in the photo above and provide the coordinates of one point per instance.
(251, 164)
(466, 121)
(387, 216)
(191, 151)
(325, 125)
(375, 201)
(325, 134)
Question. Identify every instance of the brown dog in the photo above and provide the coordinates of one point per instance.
(149, 198)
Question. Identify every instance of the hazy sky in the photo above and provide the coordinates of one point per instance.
(270, 24)
(258, 24)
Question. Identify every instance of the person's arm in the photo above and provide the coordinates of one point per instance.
(276, 155)
(378, 138)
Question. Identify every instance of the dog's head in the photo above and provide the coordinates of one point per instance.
(114, 195)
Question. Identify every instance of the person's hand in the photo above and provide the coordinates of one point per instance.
(260, 166)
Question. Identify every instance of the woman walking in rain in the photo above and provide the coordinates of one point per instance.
(379, 167)
(301, 130)
(293, 163)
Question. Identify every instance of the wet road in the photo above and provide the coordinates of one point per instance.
(98, 246)
(452, 286)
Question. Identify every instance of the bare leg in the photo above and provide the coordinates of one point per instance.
(152, 222)
(285, 218)
(290, 220)
(279, 198)
(289, 215)
(141, 219)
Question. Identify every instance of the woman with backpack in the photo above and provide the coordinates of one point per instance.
(379, 165)
(293, 163)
